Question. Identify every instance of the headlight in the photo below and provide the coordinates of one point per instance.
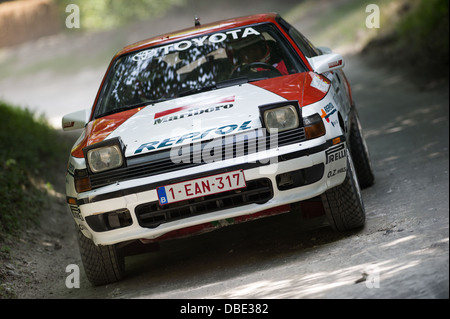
(281, 119)
(104, 158)
(104, 155)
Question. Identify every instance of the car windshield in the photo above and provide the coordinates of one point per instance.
(197, 64)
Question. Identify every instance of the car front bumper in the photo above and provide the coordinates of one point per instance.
(129, 210)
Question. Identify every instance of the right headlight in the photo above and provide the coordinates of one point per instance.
(104, 156)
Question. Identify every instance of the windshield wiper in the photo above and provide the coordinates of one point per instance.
(259, 79)
(231, 82)
(198, 90)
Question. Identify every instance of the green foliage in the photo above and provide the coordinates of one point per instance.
(29, 150)
(427, 27)
(21, 200)
(25, 139)
(423, 38)
(415, 39)
(425, 18)
(106, 14)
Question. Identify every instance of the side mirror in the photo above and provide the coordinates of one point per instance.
(75, 120)
(326, 62)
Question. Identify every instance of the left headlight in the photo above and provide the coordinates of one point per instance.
(281, 118)
(104, 156)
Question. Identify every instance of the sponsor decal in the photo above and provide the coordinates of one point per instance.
(334, 64)
(327, 111)
(337, 171)
(333, 155)
(200, 41)
(70, 169)
(193, 136)
(336, 153)
(165, 116)
(76, 213)
(319, 84)
(68, 124)
(328, 75)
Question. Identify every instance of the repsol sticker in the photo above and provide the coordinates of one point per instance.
(193, 136)
(327, 111)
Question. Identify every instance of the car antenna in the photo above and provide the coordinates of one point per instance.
(196, 21)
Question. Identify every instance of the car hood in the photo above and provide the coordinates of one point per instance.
(194, 118)
(200, 116)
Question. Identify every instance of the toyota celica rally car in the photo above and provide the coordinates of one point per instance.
(209, 126)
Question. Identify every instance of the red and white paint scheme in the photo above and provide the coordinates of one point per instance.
(210, 126)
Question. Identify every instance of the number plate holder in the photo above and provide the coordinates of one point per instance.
(200, 187)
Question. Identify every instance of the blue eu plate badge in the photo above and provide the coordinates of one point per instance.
(162, 195)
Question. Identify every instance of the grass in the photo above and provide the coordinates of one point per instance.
(31, 153)
(425, 32)
(30, 150)
(415, 38)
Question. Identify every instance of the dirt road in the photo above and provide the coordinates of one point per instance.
(403, 251)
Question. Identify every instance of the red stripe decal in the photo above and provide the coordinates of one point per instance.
(167, 112)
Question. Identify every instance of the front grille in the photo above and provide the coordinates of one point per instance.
(193, 155)
(153, 214)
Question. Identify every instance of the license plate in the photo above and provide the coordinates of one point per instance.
(201, 187)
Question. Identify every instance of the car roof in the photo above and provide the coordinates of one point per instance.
(199, 30)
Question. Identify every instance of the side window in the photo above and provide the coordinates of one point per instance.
(303, 43)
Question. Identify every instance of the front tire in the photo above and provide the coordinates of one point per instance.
(102, 264)
(360, 153)
(343, 204)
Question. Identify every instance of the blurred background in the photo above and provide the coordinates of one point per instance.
(53, 55)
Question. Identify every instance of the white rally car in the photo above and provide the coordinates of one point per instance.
(208, 126)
